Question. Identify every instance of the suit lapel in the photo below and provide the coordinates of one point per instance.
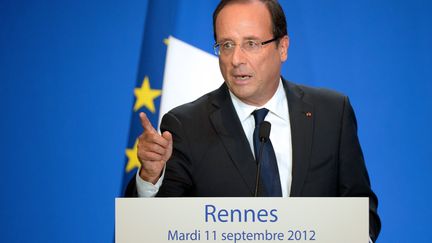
(302, 122)
(228, 126)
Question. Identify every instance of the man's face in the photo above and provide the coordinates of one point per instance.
(252, 76)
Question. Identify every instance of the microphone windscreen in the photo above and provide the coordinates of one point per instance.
(264, 130)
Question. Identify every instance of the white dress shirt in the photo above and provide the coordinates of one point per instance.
(280, 136)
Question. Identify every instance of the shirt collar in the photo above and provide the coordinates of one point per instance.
(277, 105)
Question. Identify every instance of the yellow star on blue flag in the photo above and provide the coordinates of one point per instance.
(133, 161)
(145, 96)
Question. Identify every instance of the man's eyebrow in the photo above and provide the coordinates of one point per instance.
(250, 37)
(224, 40)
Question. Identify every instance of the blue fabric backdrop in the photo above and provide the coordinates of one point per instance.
(68, 70)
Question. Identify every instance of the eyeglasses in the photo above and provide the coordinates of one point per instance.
(250, 46)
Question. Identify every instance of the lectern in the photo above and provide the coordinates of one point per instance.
(242, 220)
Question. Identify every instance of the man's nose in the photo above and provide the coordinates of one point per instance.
(238, 56)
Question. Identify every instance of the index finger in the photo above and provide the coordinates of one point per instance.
(145, 123)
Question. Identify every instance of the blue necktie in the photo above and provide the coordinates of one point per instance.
(269, 170)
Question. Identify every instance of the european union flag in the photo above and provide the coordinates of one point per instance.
(158, 26)
(171, 72)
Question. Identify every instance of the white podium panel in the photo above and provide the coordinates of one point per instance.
(242, 220)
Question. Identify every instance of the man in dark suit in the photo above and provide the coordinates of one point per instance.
(207, 146)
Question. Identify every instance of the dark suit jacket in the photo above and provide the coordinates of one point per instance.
(212, 157)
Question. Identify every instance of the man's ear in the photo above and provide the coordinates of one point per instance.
(283, 48)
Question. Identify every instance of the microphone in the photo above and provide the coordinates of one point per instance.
(264, 134)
